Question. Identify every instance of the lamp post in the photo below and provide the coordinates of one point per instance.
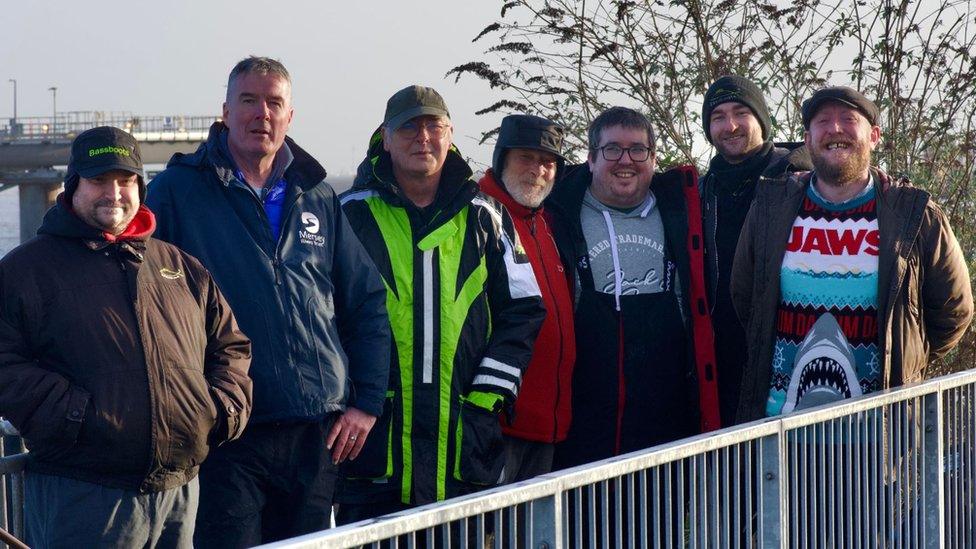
(54, 98)
(14, 81)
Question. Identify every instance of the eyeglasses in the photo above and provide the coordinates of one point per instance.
(411, 129)
(614, 152)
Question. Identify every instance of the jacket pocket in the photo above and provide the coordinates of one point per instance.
(375, 460)
(478, 457)
(61, 436)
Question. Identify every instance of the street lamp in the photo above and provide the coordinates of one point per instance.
(54, 97)
(14, 81)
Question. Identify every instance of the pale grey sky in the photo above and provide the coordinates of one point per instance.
(172, 57)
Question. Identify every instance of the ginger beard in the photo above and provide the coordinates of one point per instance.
(838, 160)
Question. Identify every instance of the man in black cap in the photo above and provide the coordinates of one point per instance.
(736, 121)
(847, 281)
(527, 159)
(464, 308)
(120, 362)
(257, 211)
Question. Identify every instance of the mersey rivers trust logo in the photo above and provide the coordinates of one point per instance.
(310, 234)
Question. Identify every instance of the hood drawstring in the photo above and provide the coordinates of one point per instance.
(617, 275)
(616, 258)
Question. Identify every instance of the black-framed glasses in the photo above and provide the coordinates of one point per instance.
(411, 129)
(614, 152)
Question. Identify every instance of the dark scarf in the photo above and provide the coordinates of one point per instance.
(735, 178)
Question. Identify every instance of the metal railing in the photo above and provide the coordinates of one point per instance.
(66, 125)
(891, 469)
(13, 459)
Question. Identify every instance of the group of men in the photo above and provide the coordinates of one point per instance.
(426, 335)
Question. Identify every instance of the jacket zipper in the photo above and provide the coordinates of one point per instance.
(621, 384)
(276, 261)
(559, 323)
(428, 348)
(712, 207)
(144, 486)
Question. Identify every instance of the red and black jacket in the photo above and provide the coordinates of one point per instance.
(543, 409)
(614, 372)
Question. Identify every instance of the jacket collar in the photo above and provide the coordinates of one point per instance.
(62, 221)
(304, 170)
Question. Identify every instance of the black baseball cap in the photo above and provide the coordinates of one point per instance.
(104, 148)
(411, 102)
(841, 94)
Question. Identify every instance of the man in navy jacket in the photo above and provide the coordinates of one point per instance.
(255, 209)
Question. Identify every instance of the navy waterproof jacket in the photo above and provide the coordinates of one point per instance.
(311, 301)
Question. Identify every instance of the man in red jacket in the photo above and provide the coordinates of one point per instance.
(528, 154)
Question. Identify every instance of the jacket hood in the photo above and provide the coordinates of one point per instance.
(790, 156)
(375, 172)
(304, 170)
(61, 221)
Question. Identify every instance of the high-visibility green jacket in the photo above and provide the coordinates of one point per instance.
(464, 309)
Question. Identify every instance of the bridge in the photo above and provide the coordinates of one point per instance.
(34, 151)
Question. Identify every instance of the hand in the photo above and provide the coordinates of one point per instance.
(350, 431)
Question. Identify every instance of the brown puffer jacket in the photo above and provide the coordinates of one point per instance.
(925, 301)
(120, 362)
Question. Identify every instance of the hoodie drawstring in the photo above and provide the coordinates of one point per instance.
(616, 258)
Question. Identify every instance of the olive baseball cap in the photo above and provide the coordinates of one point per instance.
(411, 102)
(841, 94)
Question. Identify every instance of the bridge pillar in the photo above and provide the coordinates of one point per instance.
(36, 198)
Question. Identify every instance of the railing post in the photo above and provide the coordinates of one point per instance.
(17, 512)
(773, 487)
(3, 488)
(545, 524)
(933, 482)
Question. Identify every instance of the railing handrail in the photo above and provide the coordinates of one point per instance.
(559, 482)
(556, 483)
(69, 124)
(13, 464)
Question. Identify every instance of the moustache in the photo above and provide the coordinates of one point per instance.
(109, 204)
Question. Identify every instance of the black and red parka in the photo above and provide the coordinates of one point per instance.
(613, 375)
(543, 410)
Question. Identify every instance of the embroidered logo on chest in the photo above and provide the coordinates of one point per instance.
(170, 274)
(309, 234)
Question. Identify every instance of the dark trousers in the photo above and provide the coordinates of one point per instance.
(525, 459)
(274, 483)
(63, 512)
